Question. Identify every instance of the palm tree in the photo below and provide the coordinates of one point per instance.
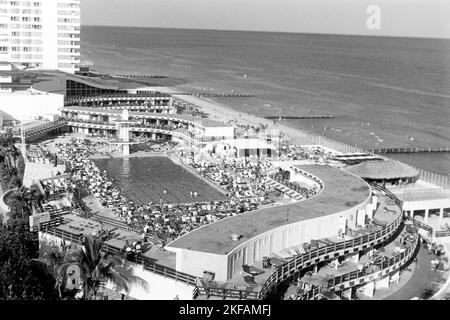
(98, 268)
(19, 203)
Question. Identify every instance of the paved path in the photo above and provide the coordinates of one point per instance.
(420, 281)
(444, 293)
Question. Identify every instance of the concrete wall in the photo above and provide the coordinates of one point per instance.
(158, 287)
(195, 263)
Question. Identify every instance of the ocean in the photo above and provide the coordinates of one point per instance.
(383, 92)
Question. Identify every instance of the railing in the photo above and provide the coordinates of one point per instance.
(169, 129)
(434, 178)
(118, 96)
(388, 193)
(115, 223)
(308, 176)
(146, 262)
(307, 259)
(441, 234)
(421, 225)
(294, 187)
(367, 274)
(90, 121)
(51, 125)
(432, 232)
(215, 291)
(134, 107)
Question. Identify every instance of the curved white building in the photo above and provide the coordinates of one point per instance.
(344, 202)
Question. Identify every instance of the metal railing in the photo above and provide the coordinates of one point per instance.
(171, 130)
(300, 191)
(53, 125)
(389, 194)
(367, 274)
(118, 96)
(90, 121)
(307, 259)
(431, 231)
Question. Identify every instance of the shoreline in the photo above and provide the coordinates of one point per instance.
(220, 112)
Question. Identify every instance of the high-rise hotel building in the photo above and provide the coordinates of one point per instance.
(41, 33)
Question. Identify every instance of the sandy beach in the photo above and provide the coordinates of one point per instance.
(220, 112)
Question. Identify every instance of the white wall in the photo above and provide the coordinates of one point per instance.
(158, 287)
(50, 32)
(25, 106)
(219, 132)
(426, 204)
(195, 263)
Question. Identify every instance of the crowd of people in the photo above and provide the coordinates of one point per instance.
(243, 181)
(240, 178)
(296, 152)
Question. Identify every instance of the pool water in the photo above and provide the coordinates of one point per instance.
(145, 179)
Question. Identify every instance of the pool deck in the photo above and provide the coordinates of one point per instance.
(342, 191)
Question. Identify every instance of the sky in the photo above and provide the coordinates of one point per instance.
(410, 18)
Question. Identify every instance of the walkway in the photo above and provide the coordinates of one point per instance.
(421, 280)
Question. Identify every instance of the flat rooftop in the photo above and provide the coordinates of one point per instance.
(342, 191)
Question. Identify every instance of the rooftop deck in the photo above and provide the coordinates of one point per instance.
(342, 191)
(87, 226)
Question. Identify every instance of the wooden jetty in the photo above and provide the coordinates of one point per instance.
(410, 150)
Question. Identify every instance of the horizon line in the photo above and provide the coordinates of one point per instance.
(271, 31)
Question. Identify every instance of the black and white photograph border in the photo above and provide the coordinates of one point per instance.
(230, 156)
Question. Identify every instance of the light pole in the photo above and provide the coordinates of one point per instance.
(24, 148)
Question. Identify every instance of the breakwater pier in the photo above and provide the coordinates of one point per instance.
(410, 150)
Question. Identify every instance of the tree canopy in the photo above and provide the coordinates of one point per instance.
(21, 276)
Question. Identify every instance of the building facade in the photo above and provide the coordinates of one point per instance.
(41, 34)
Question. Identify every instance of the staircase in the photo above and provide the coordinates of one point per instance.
(284, 189)
(114, 223)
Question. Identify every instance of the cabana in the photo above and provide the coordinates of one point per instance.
(245, 148)
(385, 171)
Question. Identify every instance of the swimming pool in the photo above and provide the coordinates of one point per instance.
(145, 179)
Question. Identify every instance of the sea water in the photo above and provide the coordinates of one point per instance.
(383, 92)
